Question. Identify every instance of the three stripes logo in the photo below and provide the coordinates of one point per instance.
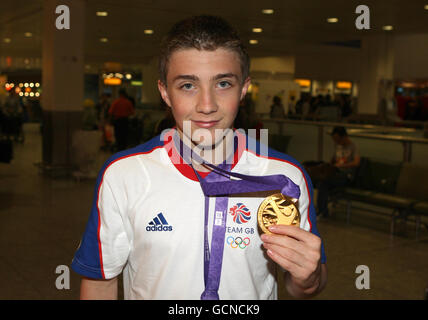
(159, 223)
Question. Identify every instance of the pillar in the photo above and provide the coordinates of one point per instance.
(150, 94)
(63, 84)
(377, 67)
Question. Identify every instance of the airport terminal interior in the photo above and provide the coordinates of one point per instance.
(316, 67)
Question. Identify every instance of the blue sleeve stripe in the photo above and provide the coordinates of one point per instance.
(85, 270)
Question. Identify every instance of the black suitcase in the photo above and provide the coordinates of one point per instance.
(6, 150)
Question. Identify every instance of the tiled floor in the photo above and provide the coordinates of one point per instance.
(44, 218)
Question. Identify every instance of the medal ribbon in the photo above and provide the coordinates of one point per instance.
(218, 183)
(213, 260)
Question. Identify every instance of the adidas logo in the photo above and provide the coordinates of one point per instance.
(159, 223)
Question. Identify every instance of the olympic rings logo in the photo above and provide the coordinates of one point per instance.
(238, 242)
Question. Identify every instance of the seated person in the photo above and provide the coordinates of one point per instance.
(346, 159)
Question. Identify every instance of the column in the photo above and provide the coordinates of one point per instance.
(377, 67)
(150, 94)
(63, 84)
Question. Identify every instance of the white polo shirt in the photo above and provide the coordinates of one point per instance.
(147, 221)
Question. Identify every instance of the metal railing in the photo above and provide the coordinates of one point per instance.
(376, 132)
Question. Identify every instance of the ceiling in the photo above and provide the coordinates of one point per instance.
(295, 26)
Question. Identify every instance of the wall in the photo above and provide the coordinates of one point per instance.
(270, 88)
(283, 64)
(329, 63)
(411, 52)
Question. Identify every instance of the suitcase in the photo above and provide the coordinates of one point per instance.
(6, 150)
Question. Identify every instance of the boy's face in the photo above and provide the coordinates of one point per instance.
(204, 88)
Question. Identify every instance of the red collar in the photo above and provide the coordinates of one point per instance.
(185, 169)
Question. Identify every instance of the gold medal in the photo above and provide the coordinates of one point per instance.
(277, 209)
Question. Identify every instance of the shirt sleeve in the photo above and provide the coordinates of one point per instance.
(104, 248)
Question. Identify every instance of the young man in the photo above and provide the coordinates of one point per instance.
(153, 218)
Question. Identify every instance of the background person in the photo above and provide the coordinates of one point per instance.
(120, 111)
(345, 160)
(103, 107)
(277, 108)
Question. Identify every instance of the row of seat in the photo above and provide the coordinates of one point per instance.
(400, 186)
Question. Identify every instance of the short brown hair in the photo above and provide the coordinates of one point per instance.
(202, 33)
(341, 131)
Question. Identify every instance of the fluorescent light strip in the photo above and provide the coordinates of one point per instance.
(267, 11)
